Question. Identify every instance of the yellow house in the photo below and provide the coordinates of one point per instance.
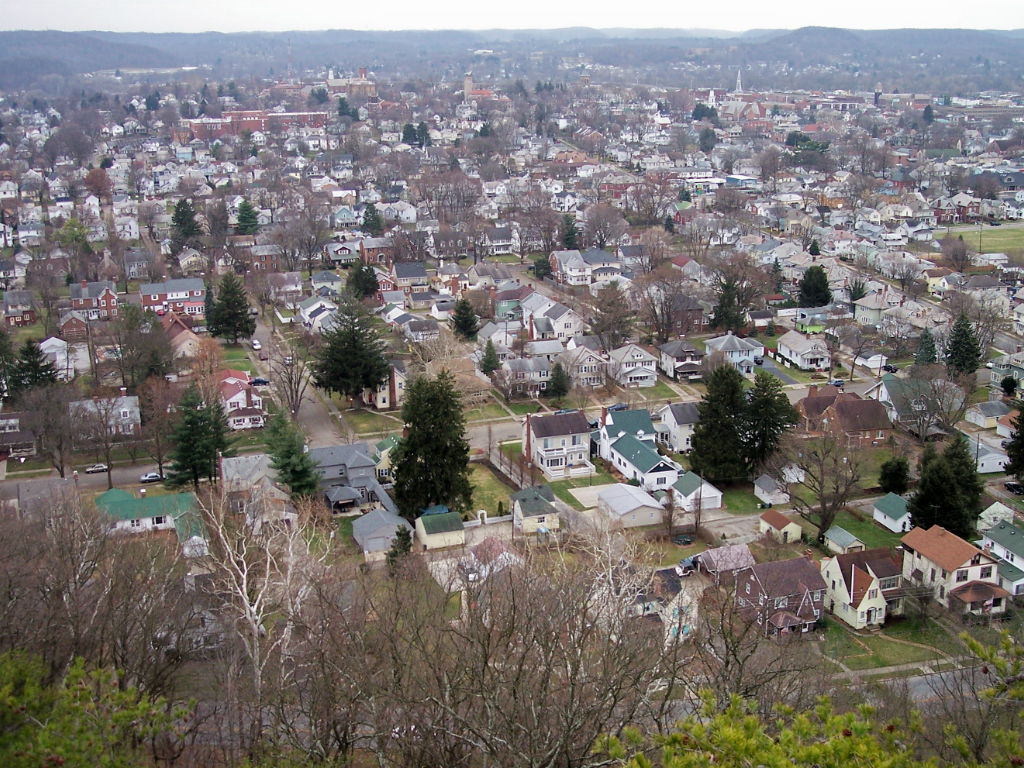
(437, 528)
(382, 453)
(853, 591)
(779, 526)
(533, 511)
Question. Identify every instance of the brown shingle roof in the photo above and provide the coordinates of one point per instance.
(943, 548)
(776, 519)
(861, 415)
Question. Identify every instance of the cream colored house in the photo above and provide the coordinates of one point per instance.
(437, 528)
(852, 594)
(962, 578)
(779, 526)
(533, 510)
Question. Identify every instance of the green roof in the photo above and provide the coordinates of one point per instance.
(892, 506)
(687, 483)
(390, 441)
(1008, 571)
(631, 422)
(1007, 535)
(443, 523)
(534, 501)
(121, 505)
(639, 454)
(188, 525)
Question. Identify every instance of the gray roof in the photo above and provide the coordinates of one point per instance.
(354, 455)
(409, 270)
(1007, 535)
(173, 286)
(556, 425)
(841, 537)
(685, 413)
(379, 522)
(993, 408)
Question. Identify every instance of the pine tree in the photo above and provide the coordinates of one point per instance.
(926, 353)
(400, 547)
(559, 383)
(541, 267)
(814, 290)
(248, 223)
(295, 468)
(728, 314)
(200, 437)
(373, 223)
(768, 415)
(717, 441)
(815, 249)
(570, 236)
(949, 491)
(231, 318)
(431, 464)
(1015, 447)
(963, 354)
(351, 356)
(489, 363)
(362, 281)
(8, 363)
(894, 475)
(464, 320)
(184, 227)
(960, 456)
(210, 307)
(934, 495)
(32, 369)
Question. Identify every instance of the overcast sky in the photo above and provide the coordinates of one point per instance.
(277, 15)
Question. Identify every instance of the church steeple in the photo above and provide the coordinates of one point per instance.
(739, 82)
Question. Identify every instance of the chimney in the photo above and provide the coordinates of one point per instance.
(85, 284)
(529, 451)
(362, 73)
(124, 391)
(809, 554)
(604, 415)
(142, 493)
(531, 328)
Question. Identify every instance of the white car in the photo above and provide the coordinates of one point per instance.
(256, 345)
(95, 469)
(151, 477)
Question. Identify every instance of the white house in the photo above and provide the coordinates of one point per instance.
(737, 351)
(692, 493)
(675, 429)
(890, 512)
(808, 353)
(770, 492)
(1005, 542)
(639, 461)
(989, 459)
(633, 366)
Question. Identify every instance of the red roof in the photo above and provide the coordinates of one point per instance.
(776, 519)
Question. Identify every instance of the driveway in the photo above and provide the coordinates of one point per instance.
(770, 366)
(587, 496)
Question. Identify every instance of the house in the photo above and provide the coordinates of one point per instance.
(16, 440)
(986, 415)
(437, 528)
(585, 367)
(681, 360)
(528, 375)
(841, 541)
(186, 296)
(327, 280)
(375, 531)
(694, 494)
(633, 366)
(73, 326)
(57, 352)
(533, 510)
(777, 525)
(890, 512)
(628, 506)
(805, 352)
(570, 268)
(418, 330)
(988, 459)
(558, 443)
(410, 277)
(129, 514)
(389, 393)
(723, 563)
(736, 351)
(784, 596)
(95, 300)
(243, 405)
(1005, 542)
(615, 424)
(19, 308)
(121, 415)
(638, 460)
(865, 423)
(250, 483)
(314, 312)
(676, 425)
(285, 287)
(960, 576)
(770, 492)
(383, 454)
(348, 477)
(862, 588)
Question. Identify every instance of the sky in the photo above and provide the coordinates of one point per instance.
(275, 15)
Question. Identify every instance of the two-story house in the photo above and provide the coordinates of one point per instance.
(783, 597)
(585, 366)
(243, 405)
(633, 366)
(98, 301)
(681, 360)
(864, 587)
(961, 577)
(569, 267)
(186, 296)
(675, 428)
(19, 308)
(528, 375)
(558, 443)
(805, 352)
(349, 479)
(1005, 542)
(615, 424)
(736, 351)
(410, 277)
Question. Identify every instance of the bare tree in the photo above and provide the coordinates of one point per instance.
(504, 382)
(603, 225)
(53, 421)
(291, 375)
(100, 428)
(157, 399)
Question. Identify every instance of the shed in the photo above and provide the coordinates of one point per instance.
(986, 415)
(437, 528)
(629, 506)
(768, 491)
(890, 511)
(375, 531)
(533, 510)
(779, 526)
(841, 541)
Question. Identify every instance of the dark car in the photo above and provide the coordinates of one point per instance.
(996, 223)
(564, 411)
(890, 368)
(594, 424)
(259, 381)
(758, 360)
(1015, 488)
(618, 407)
(839, 383)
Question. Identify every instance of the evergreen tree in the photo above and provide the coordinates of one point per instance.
(949, 490)
(962, 461)
(1015, 447)
(210, 306)
(231, 318)
(717, 441)
(373, 222)
(489, 363)
(409, 135)
(570, 236)
(894, 475)
(362, 281)
(464, 320)
(295, 468)
(32, 369)
(814, 290)
(767, 416)
(934, 495)
(963, 354)
(926, 353)
(8, 364)
(670, 225)
(559, 384)
(684, 195)
(351, 356)
(541, 267)
(929, 114)
(1008, 385)
(184, 227)
(200, 436)
(815, 249)
(400, 547)
(728, 314)
(431, 464)
(248, 224)
(423, 134)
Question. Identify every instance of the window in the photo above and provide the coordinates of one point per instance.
(880, 434)
(986, 572)
(136, 523)
(781, 602)
(872, 593)
(961, 576)
(158, 520)
(748, 587)
(942, 593)
(933, 574)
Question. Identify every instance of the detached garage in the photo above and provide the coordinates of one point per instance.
(376, 530)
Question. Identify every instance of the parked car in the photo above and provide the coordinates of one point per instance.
(288, 360)
(264, 355)
(253, 311)
(151, 477)
(565, 411)
(758, 361)
(256, 345)
(259, 381)
(840, 383)
(95, 469)
(1015, 488)
(618, 407)
(890, 368)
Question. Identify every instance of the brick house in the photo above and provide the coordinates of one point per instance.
(96, 300)
(19, 308)
(186, 296)
(783, 597)
(73, 326)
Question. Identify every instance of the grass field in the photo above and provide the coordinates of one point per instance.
(1004, 239)
(521, 409)
(487, 410)
(871, 533)
(740, 501)
(663, 552)
(366, 422)
(870, 652)
(660, 391)
(513, 449)
(488, 490)
(561, 487)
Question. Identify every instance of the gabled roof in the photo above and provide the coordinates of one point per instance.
(640, 455)
(789, 577)
(558, 424)
(534, 501)
(892, 506)
(623, 499)
(941, 547)
(732, 557)
(679, 348)
(1007, 535)
(776, 519)
(841, 537)
(861, 415)
(121, 505)
(445, 522)
(685, 413)
(631, 423)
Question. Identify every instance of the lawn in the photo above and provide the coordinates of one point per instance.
(1002, 239)
(485, 411)
(488, 490)
(660, 391)
(740, 501)
(364, 421)
(561, 487)
(250, 441)
(663, 552)
(868, 531)
(870, 652)
(523, 408)
(924, 631)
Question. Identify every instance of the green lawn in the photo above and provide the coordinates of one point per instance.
(488, 490)
(740, 501)
(924, 631)
(871, 533)
(487, 410)
(869, 652)
(512, 449)
(664, 553)
(523, 408)
(365, 421)
(1002, 239)
(345, 539)
(561, 487)
(660, 391)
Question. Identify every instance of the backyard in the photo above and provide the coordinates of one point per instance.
(740, 501)
(488, 491)
(364, 421)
